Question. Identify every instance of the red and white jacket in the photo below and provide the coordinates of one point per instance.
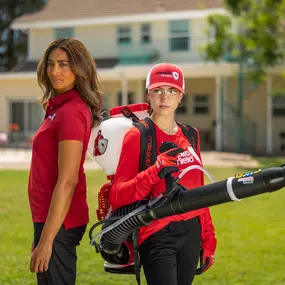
(129, 185)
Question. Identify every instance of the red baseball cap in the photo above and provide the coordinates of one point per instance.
(166, 74)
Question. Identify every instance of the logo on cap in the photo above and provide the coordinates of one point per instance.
(175, 75)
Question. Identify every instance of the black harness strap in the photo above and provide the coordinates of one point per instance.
(147, 143)
(147, 158)
(129, 114)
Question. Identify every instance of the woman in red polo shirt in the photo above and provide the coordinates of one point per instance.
(57, 182)
(169, 247)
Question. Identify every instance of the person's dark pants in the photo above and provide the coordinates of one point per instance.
(170, 256)
(62, 265)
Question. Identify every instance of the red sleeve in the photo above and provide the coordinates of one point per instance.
(72, 122)
(129, 185)
(209, 241)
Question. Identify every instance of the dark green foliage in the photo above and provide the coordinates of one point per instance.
(253, 32)
(13, 44)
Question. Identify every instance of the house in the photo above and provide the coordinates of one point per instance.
(127, 38)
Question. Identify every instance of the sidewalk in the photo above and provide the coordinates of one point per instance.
(20, 159)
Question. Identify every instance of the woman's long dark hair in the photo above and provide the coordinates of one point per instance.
(84, 67)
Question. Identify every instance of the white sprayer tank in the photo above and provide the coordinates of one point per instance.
(106, 139)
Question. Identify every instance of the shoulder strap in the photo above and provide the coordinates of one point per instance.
(190, 133)
(147, 143)
(129, 114)
(147, 158)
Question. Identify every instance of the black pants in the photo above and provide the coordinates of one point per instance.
(170, 256)
(62, 265)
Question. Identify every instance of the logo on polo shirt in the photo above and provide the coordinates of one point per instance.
(100, 144)
(51, 117)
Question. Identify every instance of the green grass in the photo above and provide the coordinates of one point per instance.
(270, 161)
(251, 238)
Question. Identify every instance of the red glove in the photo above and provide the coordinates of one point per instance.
(166, 162)
(206, 261)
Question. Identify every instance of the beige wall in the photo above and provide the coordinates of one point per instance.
(38, 42)
(199, 86)
(25, 89)
(112, 88)
(101, 40)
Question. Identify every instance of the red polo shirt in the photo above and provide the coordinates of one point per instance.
(67, 118)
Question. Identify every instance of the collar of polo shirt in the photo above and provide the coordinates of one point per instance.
(59, 100)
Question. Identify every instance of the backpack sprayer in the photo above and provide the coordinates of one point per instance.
(119, 225)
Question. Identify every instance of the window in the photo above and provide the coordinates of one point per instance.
(145, 33)
(124, 35)
(64, 33)
(278, 106)
(34, 116)
(27, 114)
(201, 104)
(131, 98)
(17, 114)
(179, 36)
(182, 107)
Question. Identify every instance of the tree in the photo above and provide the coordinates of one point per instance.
(251, 33)
(13, 43)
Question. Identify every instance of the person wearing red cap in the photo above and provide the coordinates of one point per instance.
(170, 247)
(57, 183)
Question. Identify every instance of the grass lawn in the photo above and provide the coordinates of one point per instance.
(251, 237)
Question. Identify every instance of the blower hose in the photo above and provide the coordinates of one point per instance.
(231, 189)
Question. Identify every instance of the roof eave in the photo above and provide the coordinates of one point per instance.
(192, 14)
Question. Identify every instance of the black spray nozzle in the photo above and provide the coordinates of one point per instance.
(167, 146)
(171, 187)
